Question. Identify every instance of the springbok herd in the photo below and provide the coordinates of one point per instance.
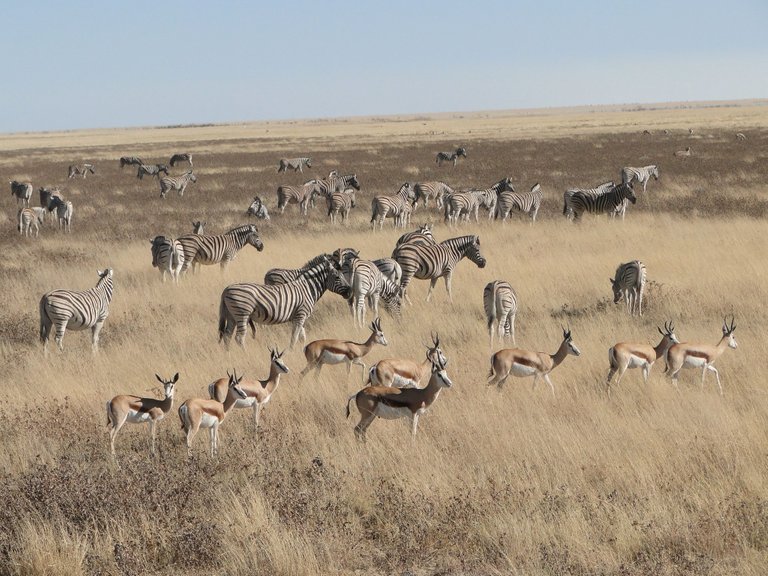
(394, 387)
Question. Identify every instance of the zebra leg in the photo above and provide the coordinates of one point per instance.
(490, 329)
(511, 327)
(448, 278)
(60, 329)
(95, 335)
(298, 328)
(240, 329)
(432, 283)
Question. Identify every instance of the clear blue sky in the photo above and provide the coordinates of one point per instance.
(77, 64)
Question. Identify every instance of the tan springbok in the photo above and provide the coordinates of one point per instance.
(404, 373)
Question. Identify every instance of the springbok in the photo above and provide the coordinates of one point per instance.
(322, 352)
(201, 412)
(690, 355)
(522, 363)
(626, 355)
(392, 403)
(136, 410)
(403, 373)
(259, 392)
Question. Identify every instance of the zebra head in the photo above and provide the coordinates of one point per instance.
(568, 343)
(378, 334)
(275, 359)
(191, 176)
(655, 172)
(352, 182)
(728, 331)
(336, 283)
(473, 252)
(343, 256)
(626, 191)
(106, 273)
(669, 333)
(197, 227)
(258, 209)
(460, 151)
(504, 185)
(252, 237)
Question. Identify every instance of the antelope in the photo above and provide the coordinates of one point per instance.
(690, 355)
(136, 410)
(258, 393)
(683, 153)
(322, 352)
(626, 355)
(200, 412)
(522, 363)
(392, 403)
(403, 373)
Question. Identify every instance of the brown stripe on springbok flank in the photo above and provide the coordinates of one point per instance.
(527, 362)
(380, 391)
(334, 350)
(213, 411)
(643, 355)
(696, 353)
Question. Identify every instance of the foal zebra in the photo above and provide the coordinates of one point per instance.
(75, 170)
(178, 183)
(295, 164)
(258, 209)
(427, 190)
(283, 275)
(184, 157)
(29, 217)
(609, 202)
(500, 305)
(130, 161)
(22, 191)
(391, 206)
(450, 156)
(629, 283)
(469, 202)
(62, 309)
(167, 256)
(641, 175)
(219, 249)
(151, 170)
(596, 191)
(525, 202)
(246, 304)
(340, 202)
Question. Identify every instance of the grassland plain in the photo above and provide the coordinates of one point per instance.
(653, 481)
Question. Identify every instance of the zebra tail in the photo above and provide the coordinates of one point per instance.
(44, 328)
(565, 207)
(222, 318)
(252, 325)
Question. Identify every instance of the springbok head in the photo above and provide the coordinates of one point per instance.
(234, 384)
(669, 332)
(568, 341)
(438, 371)
(276, 358)
(728, 330)
(168, 384)
(434, 352)
(378, 337)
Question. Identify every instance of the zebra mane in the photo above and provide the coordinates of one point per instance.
(244, 228)
(459, 241)
(319, 259)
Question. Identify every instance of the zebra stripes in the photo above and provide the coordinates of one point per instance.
(283, 275)
(130, 161)
(469, 202)
(258, 209)
(391, 206)
(28, 217)
(64, 212)
(425, 191)
(178, 183)
(390, 269)
(22, 191)
(450, 156)
(248, 304)
(525, 202)
(167, 257)
(629, 283)
(300, 195)
(75, 170)
(333, 183)
(641, 175)
(368, 284)
(609, 202)
(500, 305)
(596, 191)
(49, 198)
(422, 235)
(340, 202)
(219, 249)
(184, 157)
(151, 170)
(62, 309)
(295, 164)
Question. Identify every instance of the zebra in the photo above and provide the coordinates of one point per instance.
(75, 170)
(526, 202)
(219, 249)
(683, 153)
(383, 206)
(258, 209)
(130, 161)
(629, 283)
(300, 195)
(178, 183)
(500, 305)
(246, 304)
(641, 175)
(64, 212)
(422, 235)
(167, 256)
(22, 191)
(284, 275)
(29, 217)
(596, 191)
(450, 156)
(427, 190)
(390, 269)
(469, 202)
(295, 164)
(740, 136)
(151, 170)
(62, 309)
(333, 183)
(341, 202)
(184, 157)
(436, 261)
(608, 202)
(368, 283)
(49, 198)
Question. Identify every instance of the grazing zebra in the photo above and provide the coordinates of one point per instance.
(300, 195)
(629, 283)
(83, 170)
(525, 202)
(151, 170)
(64, 309)
(130, 161)
(185, 157)
(29, 217)
(596, 191)
(690, 131)
(641, 175)
(333, 183)
(244, 304)
(683, 153)
(500, 305)
(450, 156)
(427, 190)
(258, 209)
(367, 283)
(284, 275)
(608, 202)
(22, 191)
(178, 183)
(390, 269)
(740, 136)
(295, 164)
(469, 202)
(64, 212)
(391, 206)
(198, 227)
(438, 260)
(167, 256)
(219, 249)
(340, 202)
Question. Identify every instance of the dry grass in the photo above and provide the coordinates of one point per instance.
(654, 481)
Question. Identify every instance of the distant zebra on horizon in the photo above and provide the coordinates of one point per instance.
(598, 190)
(295, 164)
(525, 202)
(62, 309)
(607, 203)
(76, 170)
(151, 170)
(500, 305)
(178, 183)
(130, 161)
(167, 257)
(219, 249)
(425, 191)
(22, 191)
(385, 206)
(450, 156)
(629, 283)
(183, 157)
(29, 217)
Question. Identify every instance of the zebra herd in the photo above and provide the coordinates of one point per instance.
(51, 202)
(167, 183)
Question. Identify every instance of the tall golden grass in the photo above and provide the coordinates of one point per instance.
(654, 480)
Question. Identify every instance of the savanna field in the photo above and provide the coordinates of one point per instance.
(653, 480)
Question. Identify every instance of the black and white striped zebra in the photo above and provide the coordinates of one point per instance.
(29, 217)
(450, 156)
(432, 262)
(130, 161)
(284, 275)
(178, 183)
(422, 235)
(464, 204)
(167, 257)
(500, 305)
(198, 227)
(183, 157)
(22, 191)
(300, 195)
(386, 206)
(295, 164)
(341, 203)
(333, 183)
(629, 284)
(201, 249)
(642, 175)
(64, 212)
(525, 202)
(48, 200)
(596, 191)
(390, 268)
(607, 203)
(62, 309)
(151, 170)
(246, 304)
(368, 284)
(76, 170)
(258, 209)
(425, 191)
